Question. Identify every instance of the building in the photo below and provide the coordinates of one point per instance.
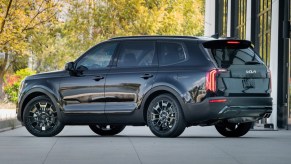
(267, 24)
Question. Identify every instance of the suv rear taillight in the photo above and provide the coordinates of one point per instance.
(270, 82)
(211, 81)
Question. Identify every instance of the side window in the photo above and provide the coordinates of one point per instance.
(171, 53)
(136, 54)
(98, 57)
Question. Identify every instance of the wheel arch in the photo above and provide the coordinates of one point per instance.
(35, 92)
(154, 92)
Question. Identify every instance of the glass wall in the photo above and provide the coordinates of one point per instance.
(222, 17)
(241, 9)
(263, 29)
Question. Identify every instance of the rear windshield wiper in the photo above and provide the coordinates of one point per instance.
(252, 63)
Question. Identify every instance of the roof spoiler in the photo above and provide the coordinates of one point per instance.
(235, 44)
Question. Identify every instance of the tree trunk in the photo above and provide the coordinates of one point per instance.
(3, 69)
(2, 94)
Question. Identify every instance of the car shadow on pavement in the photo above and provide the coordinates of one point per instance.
(140, 136)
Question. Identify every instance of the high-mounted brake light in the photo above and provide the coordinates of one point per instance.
(211, 80)
(233, 42)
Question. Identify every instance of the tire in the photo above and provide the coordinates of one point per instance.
(165, 117)
(40, 117)
(233, 129)
(107, 130)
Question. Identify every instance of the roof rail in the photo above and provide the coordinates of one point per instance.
(153, 36)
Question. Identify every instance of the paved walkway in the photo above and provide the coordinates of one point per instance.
(197, 145)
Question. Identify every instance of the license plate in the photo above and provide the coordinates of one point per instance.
(248, 83)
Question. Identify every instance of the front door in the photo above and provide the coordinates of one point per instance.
(128, 81)
(82, 91)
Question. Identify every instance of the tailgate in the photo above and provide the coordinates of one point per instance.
(240, 80)
(244, 72)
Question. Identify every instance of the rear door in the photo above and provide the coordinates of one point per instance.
(242, 71)
(129, 79)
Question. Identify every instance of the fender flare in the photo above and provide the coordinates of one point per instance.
(163, 88)
(45, 91)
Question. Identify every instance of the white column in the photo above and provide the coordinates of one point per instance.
(229, 18)
(249, 20)
(274, 60)
(209, 25)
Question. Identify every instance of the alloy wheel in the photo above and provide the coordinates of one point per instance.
(163, 116)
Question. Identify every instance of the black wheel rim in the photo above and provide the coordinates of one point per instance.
(42, 116)
(163, 116)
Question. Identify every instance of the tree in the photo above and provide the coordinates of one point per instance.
(17, 20)
(53, 32)
(91, 21)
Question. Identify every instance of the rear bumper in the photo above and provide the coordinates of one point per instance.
(236, 109)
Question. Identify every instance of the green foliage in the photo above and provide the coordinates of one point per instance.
(12, 83)
(53, 32)
(88, 22)
(18, 21)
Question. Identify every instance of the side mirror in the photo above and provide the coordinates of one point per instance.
(81, 69)
(70, 66)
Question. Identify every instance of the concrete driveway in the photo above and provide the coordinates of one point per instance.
(197, 145)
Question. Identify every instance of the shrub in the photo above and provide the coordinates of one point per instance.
(12, 83)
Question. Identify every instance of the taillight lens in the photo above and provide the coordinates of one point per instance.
(217, 101)
(211, 80)
(270, 83)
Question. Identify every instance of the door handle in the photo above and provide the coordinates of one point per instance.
(146, 76)
(97, 78)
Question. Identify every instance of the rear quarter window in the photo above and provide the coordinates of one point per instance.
(171, 53)
(182, 53)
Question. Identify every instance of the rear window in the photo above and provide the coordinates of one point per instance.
(227, 53)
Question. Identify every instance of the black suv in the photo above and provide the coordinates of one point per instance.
(165, 82)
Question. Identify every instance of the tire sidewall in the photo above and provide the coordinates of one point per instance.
(54, 131)
(114, 131)
(179, 124)
(243, 128)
